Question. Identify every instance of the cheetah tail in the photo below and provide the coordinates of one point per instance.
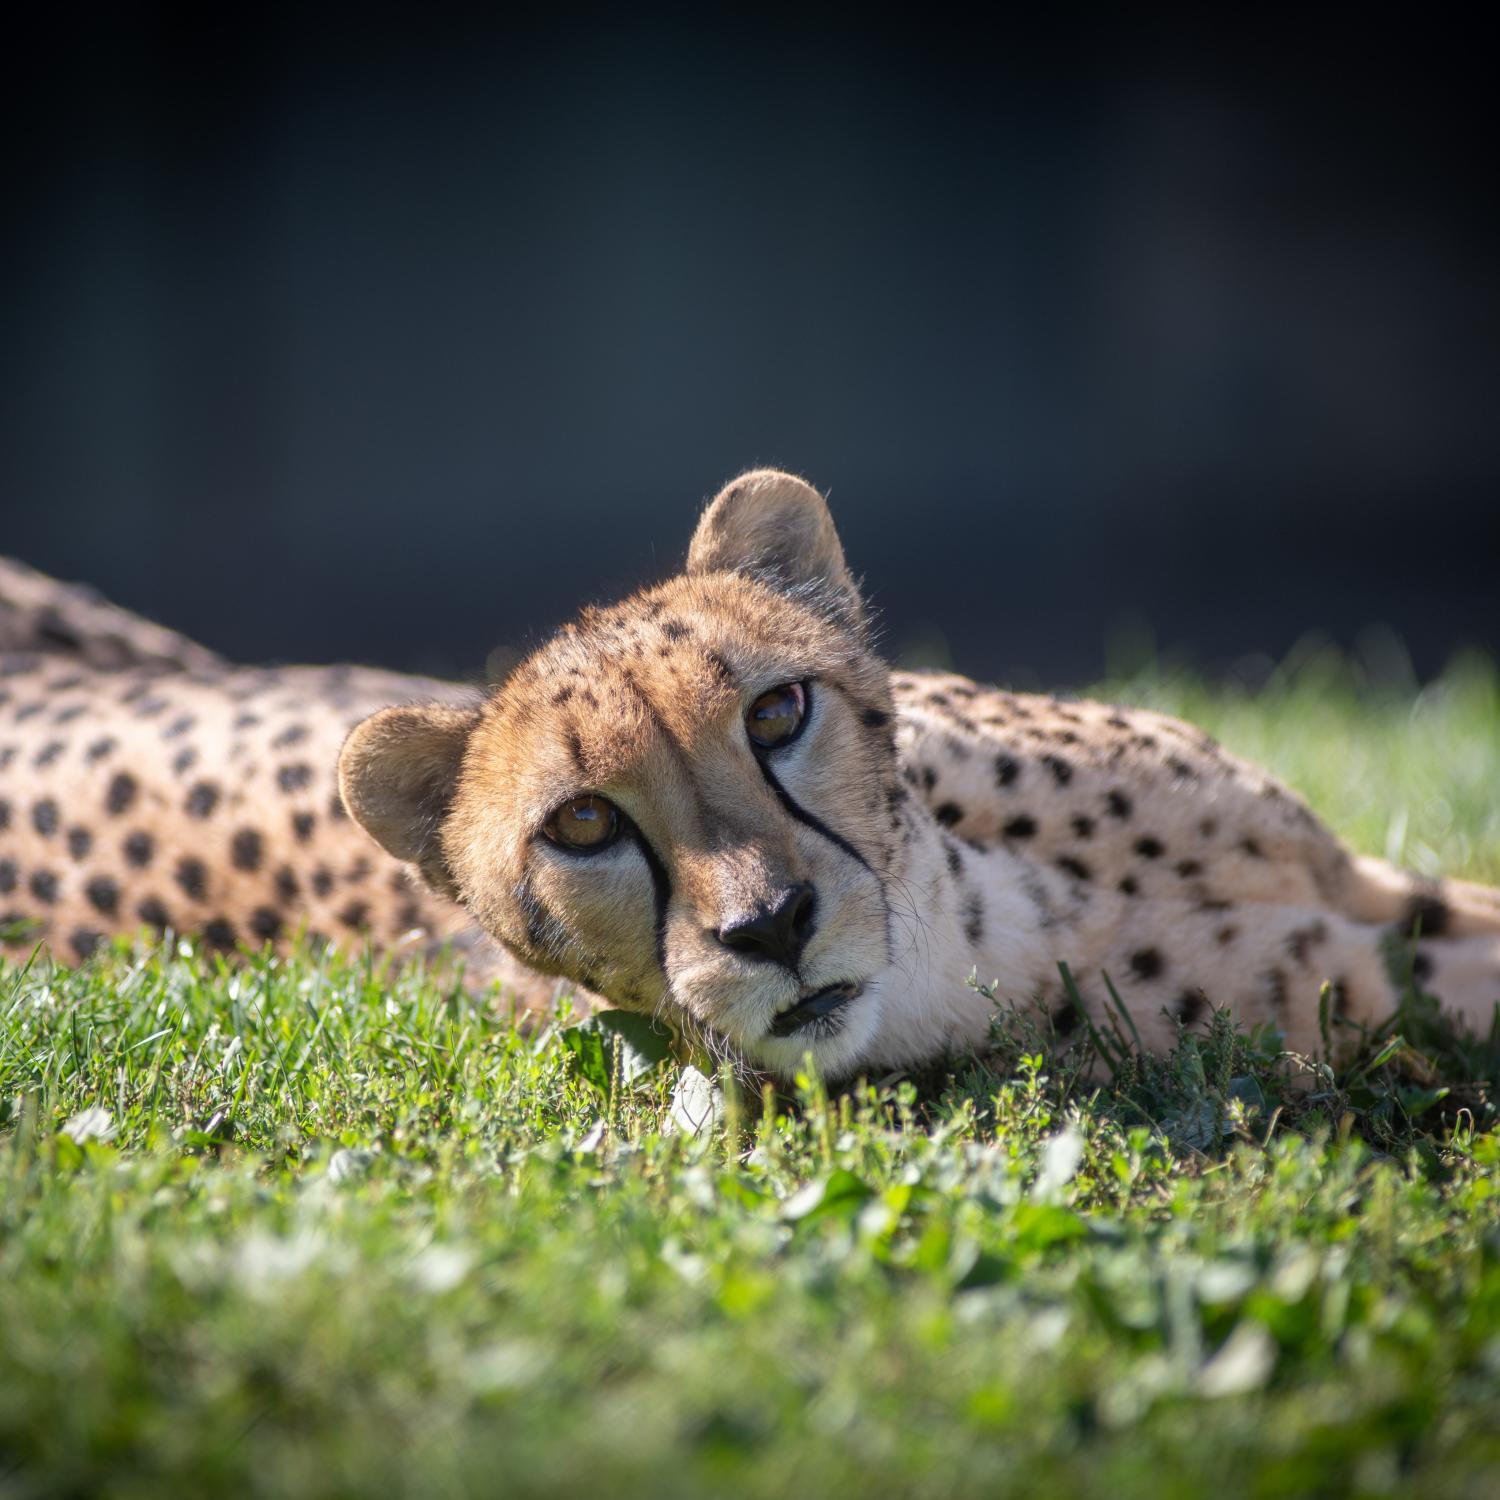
(70, 622)
(1380, 892)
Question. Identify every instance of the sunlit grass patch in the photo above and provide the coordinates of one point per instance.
(315, 1226)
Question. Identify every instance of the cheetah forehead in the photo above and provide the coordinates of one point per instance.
(670, 664)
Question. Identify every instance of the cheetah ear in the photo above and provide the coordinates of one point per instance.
(398, 772)
(768, 520)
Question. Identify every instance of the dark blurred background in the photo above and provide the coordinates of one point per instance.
(331, 341)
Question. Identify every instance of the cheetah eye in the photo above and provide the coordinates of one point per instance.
(586, 823)
(775, 717)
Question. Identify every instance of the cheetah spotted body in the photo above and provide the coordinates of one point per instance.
(828, 893)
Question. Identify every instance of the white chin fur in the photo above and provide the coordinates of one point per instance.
(834, 1056)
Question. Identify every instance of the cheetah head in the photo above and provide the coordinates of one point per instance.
(684, 801)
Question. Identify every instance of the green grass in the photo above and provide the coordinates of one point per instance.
(307, 1227)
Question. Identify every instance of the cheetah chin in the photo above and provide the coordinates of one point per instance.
(713, 802)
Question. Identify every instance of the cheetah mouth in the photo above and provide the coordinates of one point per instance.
(821, 1005)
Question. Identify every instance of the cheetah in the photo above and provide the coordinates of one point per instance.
(715, 803)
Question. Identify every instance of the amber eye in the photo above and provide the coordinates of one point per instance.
(584, 823)
(775, 717)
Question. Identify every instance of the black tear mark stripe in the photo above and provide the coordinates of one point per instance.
(818, 826)
(808, 819)
(661, 890)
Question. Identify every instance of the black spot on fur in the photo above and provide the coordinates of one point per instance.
(1427, 915)
(287, 887)
(1128, 886)
(1226, 935)
(1208, 827)
(218, 932)
(948, 813)
(44, 817)
(1066, 1019)
(721, 668)
(184, 761)
(1062, 772)
(322, 881)
(153, 913)
(302, 826)
(246, 849)
(4, 814)
(85, 940)
(1339, 996)
(294, 777)
(1146, 963)
(973, 917)
(1149, 847)
(139, 847)
(355, 914)
(1187, 868)
(7, 876)
(1083, 827)
(178, 727)
(192, 875)
(562, 695)
(51, 627)
(1300, 940)
(1275, 984)
(1021, 827)
(293, 734)
(121, 794)
(202, 799)
(336, 808)
(100, 748)
(49, 753)
(874, 718)
(1181, 769)
(265, 924)
(246, 721)
(1250, 847)
(1188, 1006)
(43, 884)
(1074, 867)
(929, 778)
(103, 894)
(675, 630)
(1007, 769)
(955, 858)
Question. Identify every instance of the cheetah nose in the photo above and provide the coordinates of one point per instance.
(778, 929)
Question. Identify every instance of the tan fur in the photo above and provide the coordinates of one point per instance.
(944, 827)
